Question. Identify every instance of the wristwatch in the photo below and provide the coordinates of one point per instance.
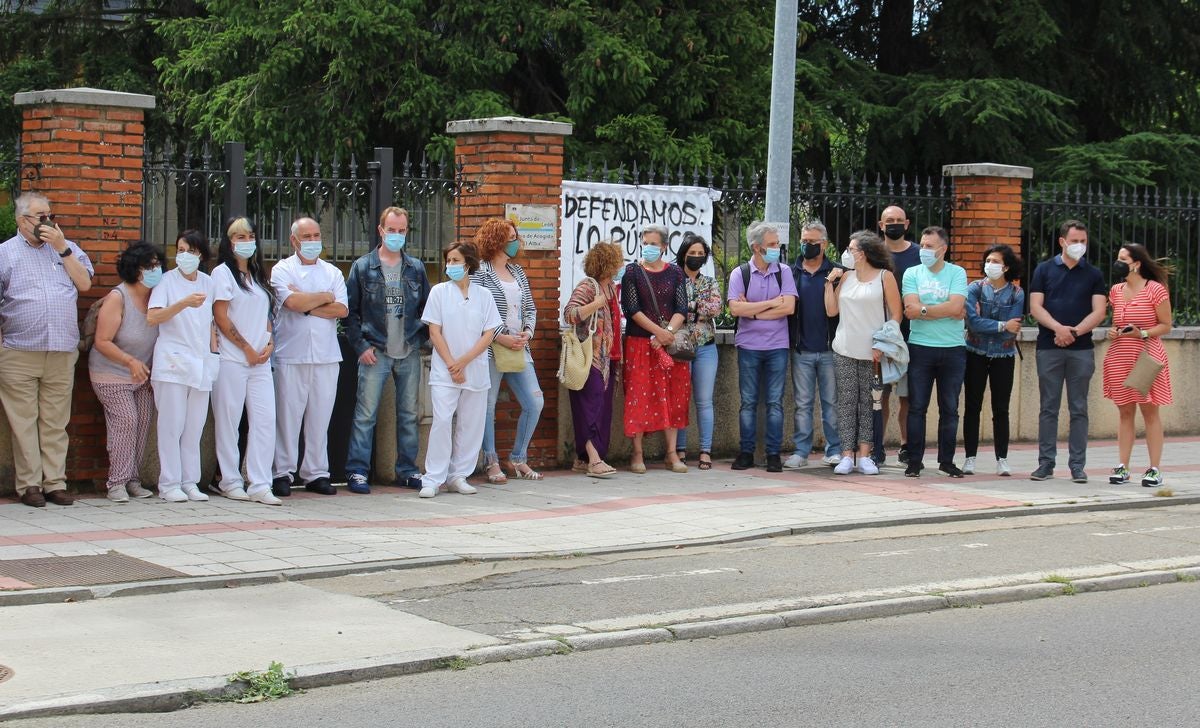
(66, 252)
(1145, 334)
(924, 311)
(670, 329)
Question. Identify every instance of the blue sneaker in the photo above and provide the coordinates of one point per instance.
(358, 484)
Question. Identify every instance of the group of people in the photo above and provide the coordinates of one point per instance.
(891, 314)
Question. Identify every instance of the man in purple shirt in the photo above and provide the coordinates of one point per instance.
(762, 294)
(41, 276)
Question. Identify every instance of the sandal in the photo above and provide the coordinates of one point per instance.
(498, 477)
(580, 466)
(601, 469)
(682, 455)
(527, 474)
(705, 464)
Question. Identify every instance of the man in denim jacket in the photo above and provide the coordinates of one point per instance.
(387, 290)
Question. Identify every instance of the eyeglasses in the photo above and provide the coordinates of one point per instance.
(43, 217)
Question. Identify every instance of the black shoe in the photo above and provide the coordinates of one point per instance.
(950, 469)
(913, 470)
(774, 464)
(412, 481)
(744, 461)
(902, 456)
(282, 486)
(320, 485)
(1078, 476)
(1045, 471)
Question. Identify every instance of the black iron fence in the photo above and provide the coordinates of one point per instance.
(1167, 222)
(14, 173)
(186, 188)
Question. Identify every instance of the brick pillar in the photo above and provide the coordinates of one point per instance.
(89, 143)
(519, 161)
(987, 210)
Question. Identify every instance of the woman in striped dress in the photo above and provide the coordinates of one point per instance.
(1141, 316)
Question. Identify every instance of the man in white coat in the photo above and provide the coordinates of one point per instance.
(311, 296)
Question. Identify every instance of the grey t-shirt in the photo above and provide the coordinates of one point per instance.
(393, 275)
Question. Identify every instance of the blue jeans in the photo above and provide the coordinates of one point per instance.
(812, 372)
(406, 373)
(947, 366)
(524, 386)
(761, 372)
(704, 379)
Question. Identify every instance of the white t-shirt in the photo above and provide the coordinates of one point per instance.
(512, 297)
(463, 321)
(301, 339)
(182, 354)
(248, 311)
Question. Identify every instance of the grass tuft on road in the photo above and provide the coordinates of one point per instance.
(269, 684)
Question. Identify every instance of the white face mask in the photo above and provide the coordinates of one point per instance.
(187, 262)
(848, 259)
(1075, 251)
(993, 270)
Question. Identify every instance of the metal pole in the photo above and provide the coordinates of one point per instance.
(235, 191)
(783, 95)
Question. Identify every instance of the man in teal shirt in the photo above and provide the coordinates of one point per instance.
(934, 293)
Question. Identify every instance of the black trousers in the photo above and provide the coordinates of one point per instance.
(980, 371)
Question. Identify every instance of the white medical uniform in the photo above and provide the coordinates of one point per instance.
(306, 367)
(182, 375)
(452, 452)
(240, 385)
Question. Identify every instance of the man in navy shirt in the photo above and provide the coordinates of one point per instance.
(1067, 298)
(812, 359)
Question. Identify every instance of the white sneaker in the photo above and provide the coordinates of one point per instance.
(237, 493)
(118, 494)
(172, 495)
(266, 497)
(1002, 467)
(460, 485)
(135, 490)
(193, 493)
(969, 466)
(844, 466)
(795, 462)
(428, 491)
(867, 466)
(831, 459)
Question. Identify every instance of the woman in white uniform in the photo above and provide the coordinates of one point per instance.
(242, 312)
(184, 367)
(463, 321)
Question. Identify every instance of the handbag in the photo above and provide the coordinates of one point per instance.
(684, 346)
(575, 356)
(1145, 371)
(508, 360)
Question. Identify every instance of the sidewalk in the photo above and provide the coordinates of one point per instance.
(96, 542)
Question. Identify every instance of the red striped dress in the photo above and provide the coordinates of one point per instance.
(1122, 353)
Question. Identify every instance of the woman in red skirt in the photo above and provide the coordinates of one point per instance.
(657, 388)
(1141, 316)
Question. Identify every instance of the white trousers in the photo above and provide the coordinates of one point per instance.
(304, 394)
(240, 386)
(182, 411)
(453, 450)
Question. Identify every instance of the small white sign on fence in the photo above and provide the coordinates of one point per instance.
(536, 224)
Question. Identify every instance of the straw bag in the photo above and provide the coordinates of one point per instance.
(575, 358)
(508, 360)
(1144, 372)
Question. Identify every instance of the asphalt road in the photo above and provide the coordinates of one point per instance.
(1103, 659)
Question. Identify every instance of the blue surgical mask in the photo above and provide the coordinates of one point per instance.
(620, 274)
(513, 247)
(310, 249)
(771, 255)
(456, 271)
(152, 277)
(187, 262)
(651, 253)
(394, 242)
(928, 257)
(245, 249)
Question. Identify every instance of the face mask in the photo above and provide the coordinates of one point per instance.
(394, 242)
(456, 272)
(993, 270)
(695, 262)
(1120, 269)
(811, 250)
(620, 274)
(928, 257)
(310, 249)
(187, 263)
(848, 260)
(894, 230)
(151, 278)
(1075, 251)
(245, 249)
(771, 255)
(651, 253)
(513, 247)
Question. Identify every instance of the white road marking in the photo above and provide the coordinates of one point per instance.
(1138, 531)
(909, 552)
(649, 577)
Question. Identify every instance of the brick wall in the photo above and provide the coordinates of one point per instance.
(987, 211)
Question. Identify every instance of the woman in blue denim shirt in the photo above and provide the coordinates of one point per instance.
(994, 308)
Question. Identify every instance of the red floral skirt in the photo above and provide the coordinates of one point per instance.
(656, 393)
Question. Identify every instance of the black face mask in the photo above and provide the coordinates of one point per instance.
(894, 231)
(811, 250)
(1120, 269)
(695, 262)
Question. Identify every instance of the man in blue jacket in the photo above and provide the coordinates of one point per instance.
(387, 290)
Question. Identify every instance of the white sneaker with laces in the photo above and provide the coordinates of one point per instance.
(831, 459)
(266, 497)
(460, 485)
(237, 493)
(193, 493)
(795, 462)
(969, 466)
(867, 466)
(1002, 467)
(428, 491)
(118, 494)
(844, 466)
(172, 495)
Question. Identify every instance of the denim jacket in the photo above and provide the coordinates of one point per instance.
(987, 312)
(366, 324)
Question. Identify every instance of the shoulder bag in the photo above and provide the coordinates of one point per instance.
(684, 346)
